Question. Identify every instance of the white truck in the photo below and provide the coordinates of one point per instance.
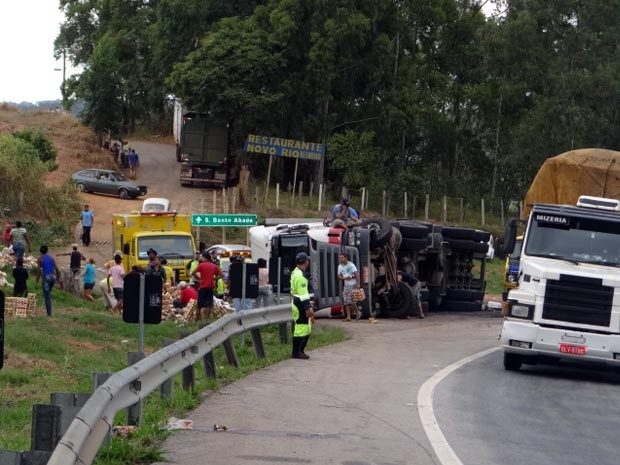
(567, 305)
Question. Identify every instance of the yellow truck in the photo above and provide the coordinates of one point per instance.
(168, 233)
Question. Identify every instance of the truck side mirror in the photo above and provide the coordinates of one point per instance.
(510, 237)
(126, 248)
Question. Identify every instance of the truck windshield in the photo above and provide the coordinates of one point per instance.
(578, 240)
(166, 246)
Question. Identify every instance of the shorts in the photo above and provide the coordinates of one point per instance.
(205, 297)
(88, 286)
(347, 298)
(118, 293)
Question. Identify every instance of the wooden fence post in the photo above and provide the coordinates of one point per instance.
(482, 210)
(405, 209)
(383, 204)
(277, 195)
(444, 213)
(428, 199)
(320, 196)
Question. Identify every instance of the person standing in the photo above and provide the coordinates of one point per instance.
(87, 218)
(89, 279)
(208, 273)
(415, 286)
(117, 273)
(134, 162)
(264, 289)
(155, 268)
(303, 314)
(20, 275)
(19, 240)
(75, 262)
(49, 273)
(348, 274)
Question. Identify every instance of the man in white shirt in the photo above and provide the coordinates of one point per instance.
(348, 274)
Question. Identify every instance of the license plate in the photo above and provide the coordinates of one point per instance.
(573, 350)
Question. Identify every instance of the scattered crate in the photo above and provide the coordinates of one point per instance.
(21, 307)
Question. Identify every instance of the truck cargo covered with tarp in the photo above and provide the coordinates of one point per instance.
(562, 179)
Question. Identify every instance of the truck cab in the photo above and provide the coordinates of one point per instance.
(168, 233)
(567, 303)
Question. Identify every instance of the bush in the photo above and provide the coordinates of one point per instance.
(40, 142)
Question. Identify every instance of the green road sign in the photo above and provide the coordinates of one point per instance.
(223, 220)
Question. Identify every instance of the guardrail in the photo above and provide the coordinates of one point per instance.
(85, 435)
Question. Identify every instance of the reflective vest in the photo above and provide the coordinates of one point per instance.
(301, 302)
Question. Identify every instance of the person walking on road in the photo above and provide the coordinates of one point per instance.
(19, 240)
(117, 273)
(134, 162)
(207, 272)
(303, 314)
(48, 271)
(87, 218)
(75, 262)
(348, 274)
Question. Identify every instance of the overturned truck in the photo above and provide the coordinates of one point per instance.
(449, 262)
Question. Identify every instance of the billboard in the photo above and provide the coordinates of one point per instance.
(284, 147)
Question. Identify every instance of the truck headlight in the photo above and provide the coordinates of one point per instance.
(511, 278)
(521, 310)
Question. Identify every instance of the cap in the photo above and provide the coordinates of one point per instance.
(301, 257)
(182, 284)
(75, 246)
(345, 202)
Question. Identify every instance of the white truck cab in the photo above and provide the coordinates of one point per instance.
(567, 305)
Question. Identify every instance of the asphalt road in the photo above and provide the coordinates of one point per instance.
(540, 415)
(353, 403)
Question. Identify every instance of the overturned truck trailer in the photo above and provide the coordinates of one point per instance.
(449, 262)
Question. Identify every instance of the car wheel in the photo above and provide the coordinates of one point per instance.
(512, 362)
(81, 187)
(123, 194)
(382, 229)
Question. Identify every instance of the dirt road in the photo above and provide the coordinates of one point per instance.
(159, 170)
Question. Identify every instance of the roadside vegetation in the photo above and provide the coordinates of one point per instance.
(59, 354)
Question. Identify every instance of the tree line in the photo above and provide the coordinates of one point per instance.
(440, 96)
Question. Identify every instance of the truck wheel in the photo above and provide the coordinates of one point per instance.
(468, 246)
(482, 236)
(123, 194)
(458, 233)
(464, 294)
(400, 301)
(382, 230)
(512, 362)
(461, 306)
(414, 230)
(434, 298)
(415, 244)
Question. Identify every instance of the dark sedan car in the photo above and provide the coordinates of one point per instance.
(107, 182)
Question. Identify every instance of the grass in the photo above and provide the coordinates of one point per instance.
(59, 354)
(495, 276)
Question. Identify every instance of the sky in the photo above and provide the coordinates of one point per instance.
(28, 29)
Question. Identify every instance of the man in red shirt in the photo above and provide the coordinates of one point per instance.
(187, 293)
(208, 273)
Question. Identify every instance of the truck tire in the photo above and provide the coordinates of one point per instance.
(434, 298)
(415, 244)
(396, 238)
(458, 233)
(461, 306)
(414, 230)
(468, 246)
(512, 362)
(466, 295)
(381, 228)
(400, 301)
(482, 236)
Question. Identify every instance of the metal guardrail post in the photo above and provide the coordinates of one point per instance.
(45, 427)
(231, 354)
(188, 376)
(70, 404)
(257, 342)
(166, 389)
(134, 412)
(208, 363)
(283, 330)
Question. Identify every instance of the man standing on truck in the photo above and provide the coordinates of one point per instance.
(303, 314)
(208, 273)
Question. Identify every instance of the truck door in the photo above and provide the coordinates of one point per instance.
(284, 249)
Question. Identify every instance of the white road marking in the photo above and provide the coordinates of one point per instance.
(442, 449)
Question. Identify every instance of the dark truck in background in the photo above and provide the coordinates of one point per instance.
(203, 148)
